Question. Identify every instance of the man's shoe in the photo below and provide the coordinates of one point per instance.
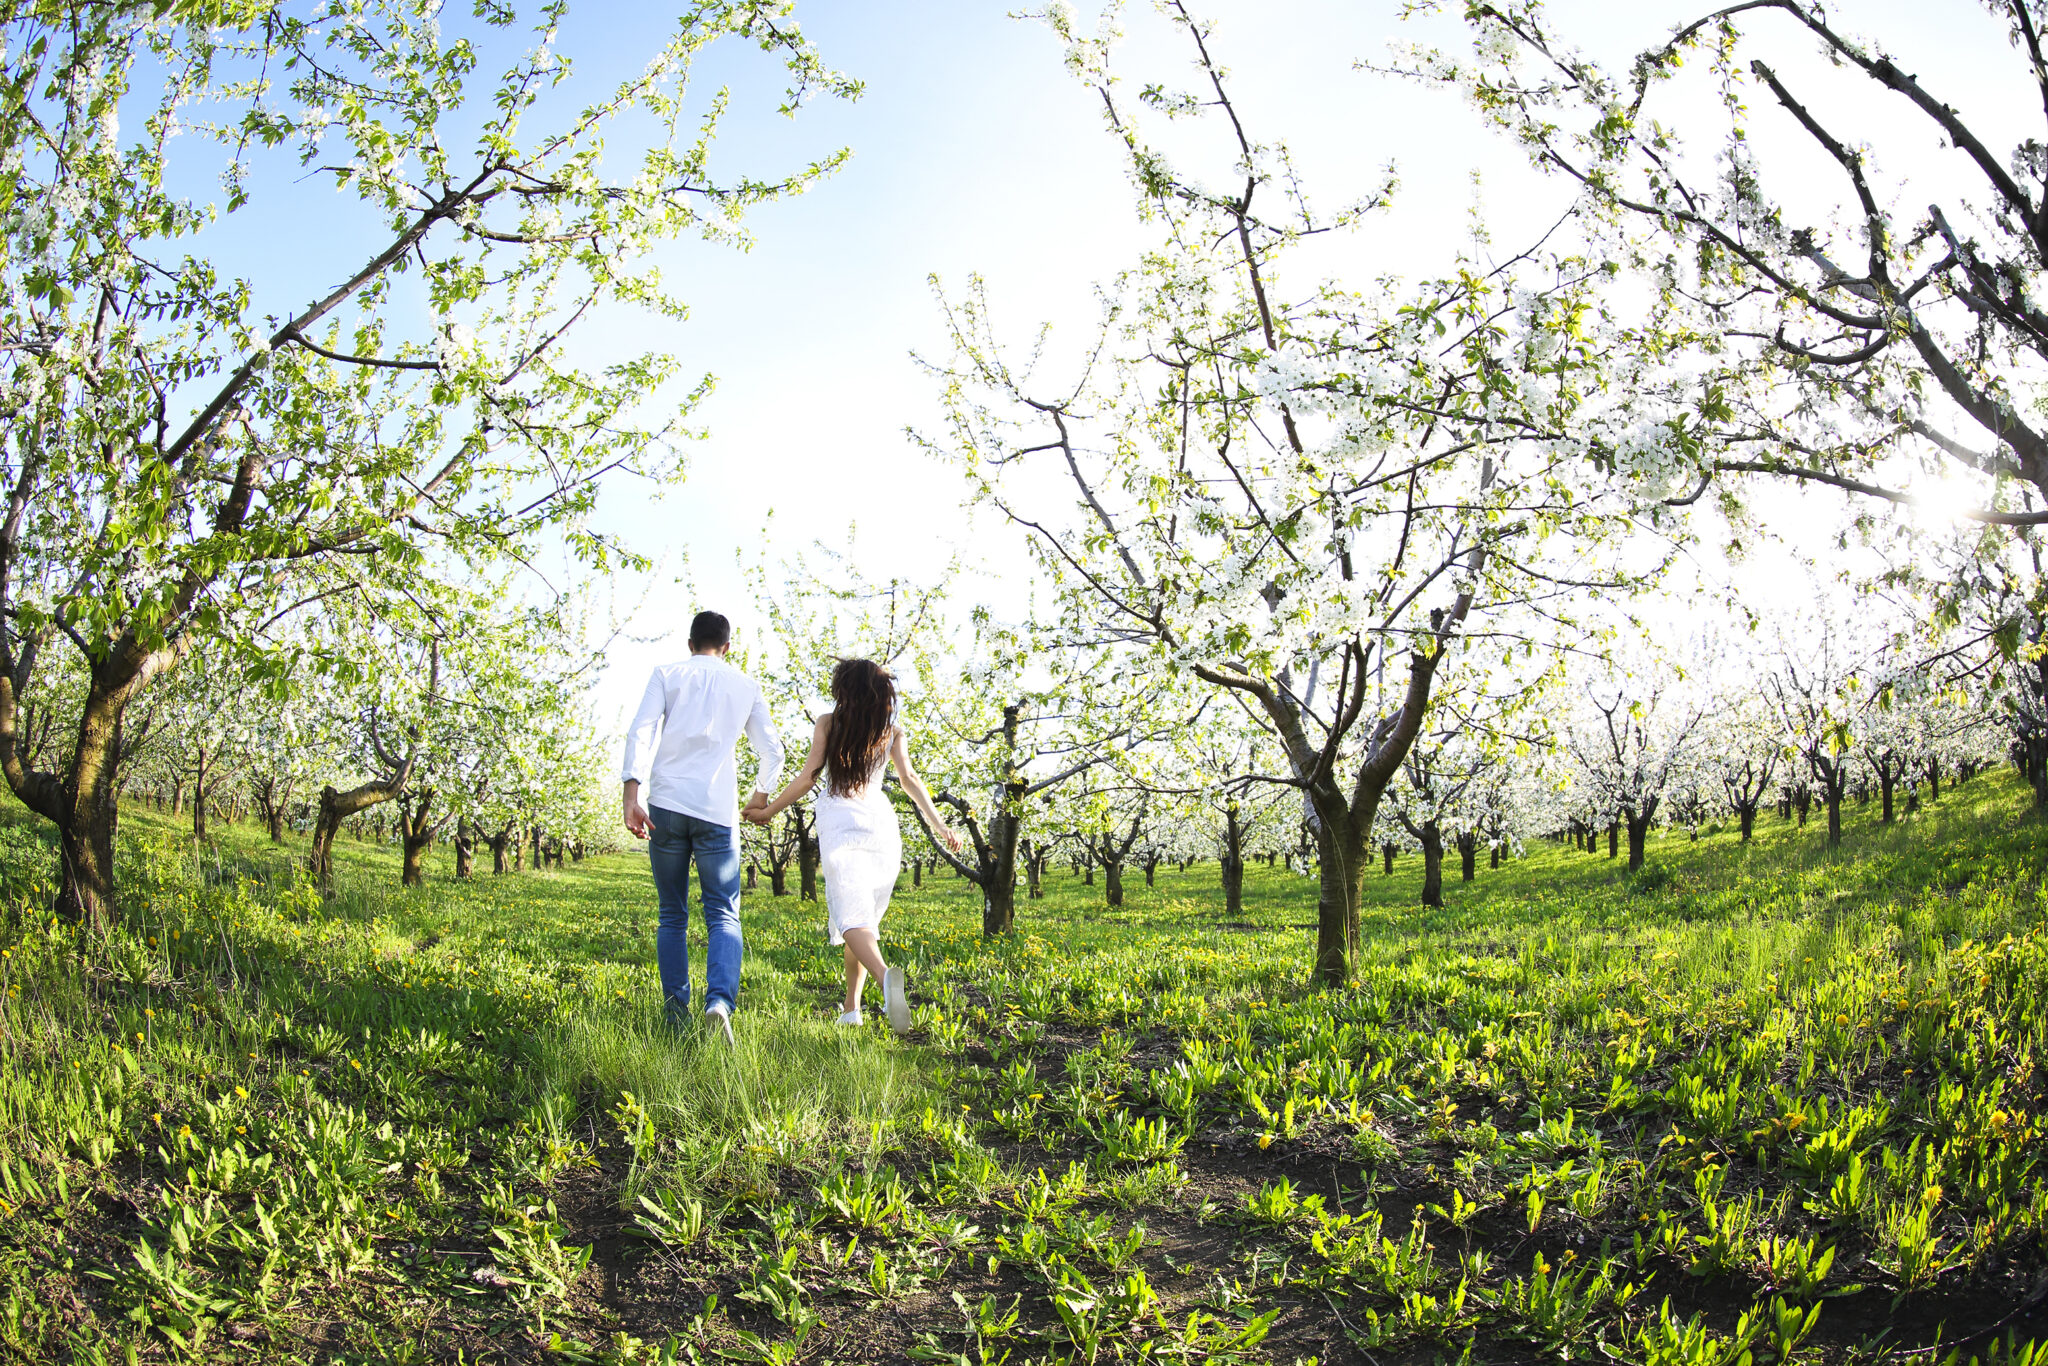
(896, 997)
(718, 1017)
(849, 1018)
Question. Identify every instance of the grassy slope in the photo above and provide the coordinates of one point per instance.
(418, 1089)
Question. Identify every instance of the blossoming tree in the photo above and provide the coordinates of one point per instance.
(1839, 342)
(1633, 743)
(1313, 495)
(180, 463)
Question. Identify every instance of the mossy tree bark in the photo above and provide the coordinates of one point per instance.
(1432, 864)
(1638, 823)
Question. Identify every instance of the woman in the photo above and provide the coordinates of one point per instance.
(859, 844)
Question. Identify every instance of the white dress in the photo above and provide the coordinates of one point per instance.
(860, 851)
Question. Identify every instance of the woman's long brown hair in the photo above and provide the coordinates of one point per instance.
(863, 701)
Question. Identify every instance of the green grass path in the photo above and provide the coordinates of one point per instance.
(1771, 1099)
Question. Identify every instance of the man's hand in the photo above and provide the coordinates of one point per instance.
(636, 814)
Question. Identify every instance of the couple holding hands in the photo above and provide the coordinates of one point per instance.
(680, 755)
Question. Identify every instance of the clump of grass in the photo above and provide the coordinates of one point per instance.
(789, 1091)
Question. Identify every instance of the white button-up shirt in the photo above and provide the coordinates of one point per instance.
(680, 745)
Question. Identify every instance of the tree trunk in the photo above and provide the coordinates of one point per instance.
(778, 879)
(1088, 873)
(1113, 882)
(807, 867)
(413, 873)
(200, 788)
(1151, 867)
(1934, 780)
(917, 872)
(465, 852)
(1233, 884)
(416, 833)
(325, 828)
(82, 804)
(1747, 816)
(1885, 782)
(754, 869)
(499, 865)
(1468, 857)
(533, 847)
(1613, 838)
(1340, 850)
(336, 807)
(998, 879)
(272, 797)
(1387, 857)
(1432, 865)
(85, 845)
(1638, 835)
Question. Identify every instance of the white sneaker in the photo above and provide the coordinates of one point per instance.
(896, 997)
(718, 1016)
(849, 1018)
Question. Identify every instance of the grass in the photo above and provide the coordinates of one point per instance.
(1765, 1103)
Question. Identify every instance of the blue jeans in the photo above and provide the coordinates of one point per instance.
(673, 841)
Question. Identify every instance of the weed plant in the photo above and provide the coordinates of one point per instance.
(1771, 1104)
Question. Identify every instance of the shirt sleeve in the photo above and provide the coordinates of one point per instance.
(767, 747)
(644, 733)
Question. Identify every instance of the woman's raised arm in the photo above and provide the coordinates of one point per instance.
(899, 755)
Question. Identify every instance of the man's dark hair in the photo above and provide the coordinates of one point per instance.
(709, 631)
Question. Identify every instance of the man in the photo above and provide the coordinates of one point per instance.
(679, 750)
